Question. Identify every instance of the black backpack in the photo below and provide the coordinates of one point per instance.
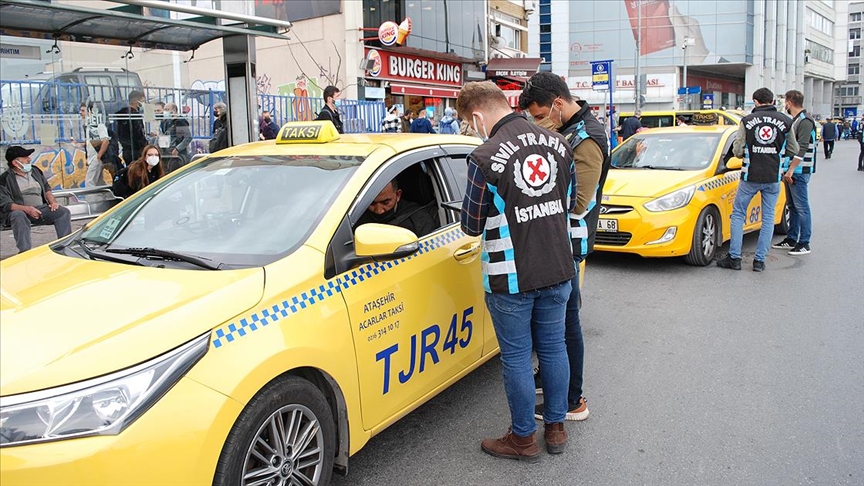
(120, 186)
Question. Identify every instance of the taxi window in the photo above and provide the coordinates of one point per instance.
(657, 121)
(236, 211)
(680, 151)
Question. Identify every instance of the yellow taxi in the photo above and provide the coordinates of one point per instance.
(231, 324)
(669, 193)
(660, 119)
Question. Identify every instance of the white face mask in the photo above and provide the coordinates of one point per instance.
(153, 160)
(485, 134)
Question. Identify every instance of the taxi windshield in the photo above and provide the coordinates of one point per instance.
(669, 151)
(230, 211)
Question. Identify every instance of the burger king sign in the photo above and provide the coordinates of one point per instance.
(374, 56)
(387, 33)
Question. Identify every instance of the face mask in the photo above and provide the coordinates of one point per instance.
(153, 160)
(266, 120)
(385, 216)
(27, 167)
(548, 122)
(485, 134)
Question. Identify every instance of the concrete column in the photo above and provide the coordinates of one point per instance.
(239, 54)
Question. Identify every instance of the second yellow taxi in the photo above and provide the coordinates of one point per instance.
(669, 193)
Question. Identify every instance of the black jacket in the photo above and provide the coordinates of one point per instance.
(332, 115)
(408, 215)
(10, 193)
(766, 141)
(129, 128)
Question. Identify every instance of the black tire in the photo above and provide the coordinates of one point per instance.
(297, 408)
(706, 238)
(782, 228)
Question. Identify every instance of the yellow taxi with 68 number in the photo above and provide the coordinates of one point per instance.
(669, 193)
(232, 324)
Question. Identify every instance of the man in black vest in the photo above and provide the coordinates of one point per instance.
(547, 98)
(761, 139)
(521, 186)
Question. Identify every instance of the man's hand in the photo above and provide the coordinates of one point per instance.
(175, 152)
(32, 212)
(788, 177)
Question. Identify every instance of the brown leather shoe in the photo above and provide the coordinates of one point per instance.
(511, 446)
(556, 437)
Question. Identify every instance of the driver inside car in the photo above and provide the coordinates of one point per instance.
(389, 208)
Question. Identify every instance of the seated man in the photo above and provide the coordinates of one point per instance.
(26, 199)
(388, 208)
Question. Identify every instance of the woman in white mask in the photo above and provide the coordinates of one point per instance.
(146, 170)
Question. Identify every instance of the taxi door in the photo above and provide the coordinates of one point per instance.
(417, 321)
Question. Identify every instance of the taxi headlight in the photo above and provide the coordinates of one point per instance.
(100, 406)
(673, 200)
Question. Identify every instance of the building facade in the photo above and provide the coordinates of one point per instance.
(824, 54)
(729, 47)
(848, 94)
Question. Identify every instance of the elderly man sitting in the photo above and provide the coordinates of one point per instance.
(26, 199)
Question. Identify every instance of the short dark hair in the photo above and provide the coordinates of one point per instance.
(795, 97)
(478, 94)
(764, 96)
(330, 92)
(543, 88)
(135, 95)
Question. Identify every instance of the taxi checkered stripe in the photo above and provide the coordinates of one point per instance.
(717, 183)
(262, 318)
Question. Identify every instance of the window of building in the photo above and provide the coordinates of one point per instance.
(854, 33)
(508, 37)
(854, 69)
(855, 52)
(847, 91)
(819, 52)
(545, 32)
(855, 17)
(820, 23)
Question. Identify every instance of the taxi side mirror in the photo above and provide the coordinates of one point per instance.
(384, 241)
(734, 163)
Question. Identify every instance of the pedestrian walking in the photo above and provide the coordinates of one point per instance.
(797, 177)
(391, 123)
(547, 98)
(830, 133)
(630, 126)
(95, 146)
(449, 124)
(861, 150)
(761, 137)
(330, 112)
(421, 124)
(521, 185)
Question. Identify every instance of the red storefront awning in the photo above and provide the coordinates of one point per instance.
(419, 90)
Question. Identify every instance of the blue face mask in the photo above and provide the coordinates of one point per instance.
(27, 167)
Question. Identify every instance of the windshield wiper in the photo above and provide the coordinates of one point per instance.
(654, 167)
(100, 255)
(167, 255)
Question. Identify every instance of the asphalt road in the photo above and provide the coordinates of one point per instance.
(694, 376)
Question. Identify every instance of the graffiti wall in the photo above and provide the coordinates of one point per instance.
(64, 167)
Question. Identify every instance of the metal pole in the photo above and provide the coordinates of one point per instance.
(636, 90)
(686, 93)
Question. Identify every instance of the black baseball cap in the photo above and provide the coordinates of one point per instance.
(16, 151)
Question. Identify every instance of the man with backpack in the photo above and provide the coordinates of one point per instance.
(449, 124)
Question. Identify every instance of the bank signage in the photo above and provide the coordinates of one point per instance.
(406, 67)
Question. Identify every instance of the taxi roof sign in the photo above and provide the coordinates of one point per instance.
(705, 119)
(307, 132)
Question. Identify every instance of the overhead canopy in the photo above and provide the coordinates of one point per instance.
(125, 25)
(519, 69)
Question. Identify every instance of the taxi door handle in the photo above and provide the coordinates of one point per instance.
(465, 253)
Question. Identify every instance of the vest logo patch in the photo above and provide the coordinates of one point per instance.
(766, 135)
(536, 176)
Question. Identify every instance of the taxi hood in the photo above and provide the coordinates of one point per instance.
(649, 183)
(64, 320)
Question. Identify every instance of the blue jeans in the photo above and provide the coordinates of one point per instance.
(519, 320)
(746, 191)
(799, 209)
(574, 342)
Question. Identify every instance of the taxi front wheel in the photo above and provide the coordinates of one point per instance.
(705, 238)
(285, 436)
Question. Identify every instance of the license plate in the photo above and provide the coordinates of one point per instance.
(607, 225)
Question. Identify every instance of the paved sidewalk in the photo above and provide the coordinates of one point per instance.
(40, 235)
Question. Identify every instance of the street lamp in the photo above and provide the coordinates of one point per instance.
(688, 41)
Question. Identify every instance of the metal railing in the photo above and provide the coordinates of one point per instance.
(46, 113)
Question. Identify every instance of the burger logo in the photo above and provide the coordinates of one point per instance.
(376, 57)
(387, 33)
